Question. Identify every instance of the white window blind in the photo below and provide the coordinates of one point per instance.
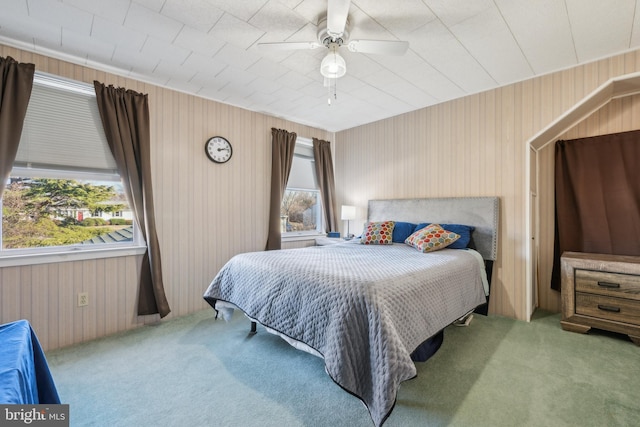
(303, 170)
(62, 129)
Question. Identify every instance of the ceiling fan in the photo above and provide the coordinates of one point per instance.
(333, 33)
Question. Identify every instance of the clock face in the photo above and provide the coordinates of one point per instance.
(218, 149)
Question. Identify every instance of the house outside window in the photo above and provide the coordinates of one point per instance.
(64, 193)
(301, 208)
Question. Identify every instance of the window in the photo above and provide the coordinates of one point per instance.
(301, 209)
(64, 192)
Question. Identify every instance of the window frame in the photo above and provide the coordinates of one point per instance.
(75, 252)
(307, 143)
(50, 254)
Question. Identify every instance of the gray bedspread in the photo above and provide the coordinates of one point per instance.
(364, 308)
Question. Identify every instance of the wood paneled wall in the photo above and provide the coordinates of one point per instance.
(206, 213)
(46, 295)
(476, 146)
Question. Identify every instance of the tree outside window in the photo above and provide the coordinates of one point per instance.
(299, 210)
(40, 212)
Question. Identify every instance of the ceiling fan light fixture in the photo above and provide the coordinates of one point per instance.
(333, 65)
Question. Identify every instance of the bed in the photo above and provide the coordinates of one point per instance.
(367, 310)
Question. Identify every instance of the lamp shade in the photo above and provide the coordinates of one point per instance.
(348, 213)
(333, 65)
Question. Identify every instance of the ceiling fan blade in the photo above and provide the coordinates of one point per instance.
(289, 45)
(381, 47)
(337, 13)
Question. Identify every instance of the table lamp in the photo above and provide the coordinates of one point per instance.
(348, 214)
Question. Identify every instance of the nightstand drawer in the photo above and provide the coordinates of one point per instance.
(617, 309)
(609, 284)
(601, 291)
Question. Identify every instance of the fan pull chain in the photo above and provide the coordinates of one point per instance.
(335, 90)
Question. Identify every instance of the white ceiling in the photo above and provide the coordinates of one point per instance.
(209, 47)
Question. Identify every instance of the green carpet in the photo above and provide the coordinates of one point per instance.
(197, 371)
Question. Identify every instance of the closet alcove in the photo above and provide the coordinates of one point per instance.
(611, 108)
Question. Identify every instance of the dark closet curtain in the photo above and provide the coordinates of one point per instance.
(597, 183)
(282, 145)
(324, 173)
(125, 118)
(16, 81)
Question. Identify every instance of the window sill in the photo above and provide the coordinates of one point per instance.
(294, 237)
(66, 256)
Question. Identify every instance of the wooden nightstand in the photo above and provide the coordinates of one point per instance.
(324, 241)
(601, 291)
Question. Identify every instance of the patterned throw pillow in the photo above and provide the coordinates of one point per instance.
(431, 238)
(464, 231)
(378, 233)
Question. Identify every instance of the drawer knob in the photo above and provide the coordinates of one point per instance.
(608, 285)
(609, 308)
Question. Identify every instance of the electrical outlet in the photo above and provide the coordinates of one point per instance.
(83, 299)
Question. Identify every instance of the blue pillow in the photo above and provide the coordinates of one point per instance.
(463, 230)
(401, 231)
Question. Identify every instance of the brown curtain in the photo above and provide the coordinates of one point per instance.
(15, 91)
(324, 173)
(125, 117)
(597, 196)
(282, 145)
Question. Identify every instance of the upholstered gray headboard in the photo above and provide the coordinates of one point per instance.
(480, 212)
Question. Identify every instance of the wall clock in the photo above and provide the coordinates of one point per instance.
(218, 149)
